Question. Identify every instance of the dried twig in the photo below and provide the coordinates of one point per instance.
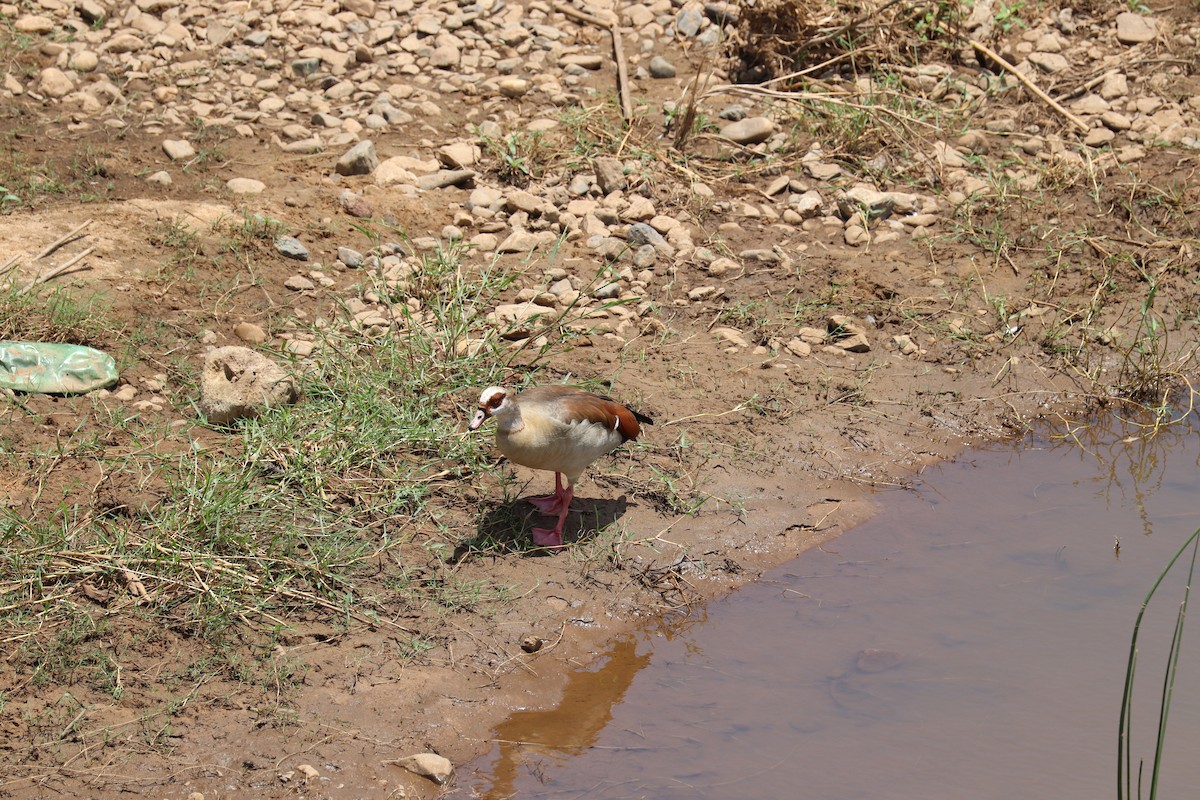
(57, 243)
(622, 73)
(995, 58)
(614, 29)
(582, 16)
(53, 273)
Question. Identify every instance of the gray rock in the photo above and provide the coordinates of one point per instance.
(661, 68)
(290, 247)
(1049, 62)
(303, 67)
(645, 257)
(733, 113)
(607, 291)
(1134, 28)
(588, 61)
(580, 185)
(485, 197)
(446, 177)
(751, 130)
(807, 205)
(299, 283)
(1090, 104)
(641, 234)
(519, 242)
(350, 257)
(763, 256)
(688, 21)
(610, 174)
(91, 11)
(722, 13)
(1065, 21)
(358, 160)
(238, 382)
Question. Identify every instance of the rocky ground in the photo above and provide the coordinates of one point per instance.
(953, 220)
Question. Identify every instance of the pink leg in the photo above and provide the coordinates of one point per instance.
(547, 537)
(551, 503)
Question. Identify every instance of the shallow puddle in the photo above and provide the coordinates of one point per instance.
(970, 641)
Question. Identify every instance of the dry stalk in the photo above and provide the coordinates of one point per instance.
(997, 59)
(57, 243)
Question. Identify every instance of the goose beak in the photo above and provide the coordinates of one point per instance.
(480, 415)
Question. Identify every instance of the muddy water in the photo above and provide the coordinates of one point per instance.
(970, 641)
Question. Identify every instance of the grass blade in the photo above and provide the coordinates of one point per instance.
(1125, 724)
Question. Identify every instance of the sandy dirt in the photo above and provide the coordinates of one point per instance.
(777, 450)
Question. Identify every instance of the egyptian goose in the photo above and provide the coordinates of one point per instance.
(557, 428)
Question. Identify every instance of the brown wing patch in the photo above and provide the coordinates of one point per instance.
(627, 422)
(571, 403)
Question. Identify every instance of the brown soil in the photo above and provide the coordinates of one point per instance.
(788, 449)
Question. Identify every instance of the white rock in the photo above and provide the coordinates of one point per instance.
(1134, 28)
(245, 186)
(513, 87)
(178, 149)
(53, 82)
(239, 382)
(430, 765)
(34, 23)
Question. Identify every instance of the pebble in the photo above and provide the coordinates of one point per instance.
(53, 82)
(751, 130)
(661, 68)
(688, 21)
(178, 149)
(350, 257)
(299, 283)
(610, 174)
(1134, 28)
(430, 765)
(291, 247)
(358, 160)
(250, 333)
(445, 178)
(245, 186)
(513, 87)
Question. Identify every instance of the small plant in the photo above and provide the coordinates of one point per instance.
(1008, 16)
(520, 156)
(1125, 726)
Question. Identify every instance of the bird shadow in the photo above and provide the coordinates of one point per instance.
(505, 527)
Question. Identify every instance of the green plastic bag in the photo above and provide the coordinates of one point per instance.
(48, 368)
